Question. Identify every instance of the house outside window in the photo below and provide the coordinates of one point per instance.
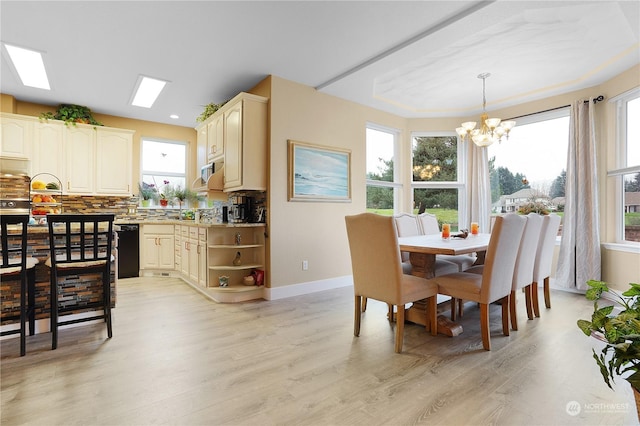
(437, 180)
(528, 170)
(627, 171)
(383, 182)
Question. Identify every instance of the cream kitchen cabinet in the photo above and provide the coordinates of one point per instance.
(48, 146)
(215, 139)
(157, 247)
(80, 148)
(201, 147)
(245, 141)
(236, 136)
(99, 160)
(192, 249)
(16, 134)
(113, 161)
(223, 245)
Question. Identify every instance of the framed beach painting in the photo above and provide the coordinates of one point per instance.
(319, 173)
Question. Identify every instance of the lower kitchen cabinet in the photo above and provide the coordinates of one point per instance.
(157, 247)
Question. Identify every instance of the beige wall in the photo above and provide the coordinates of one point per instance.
(314, 231)
(142, 129)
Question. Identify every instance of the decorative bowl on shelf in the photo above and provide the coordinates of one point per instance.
(249, 280)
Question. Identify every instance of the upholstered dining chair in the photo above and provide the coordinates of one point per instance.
(377, 272)
(80, 244)
(544, 260)
(494, 284)
(523, 271)
(17, 266)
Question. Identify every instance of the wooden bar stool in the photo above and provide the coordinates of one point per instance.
(80, 245)
(18, 266)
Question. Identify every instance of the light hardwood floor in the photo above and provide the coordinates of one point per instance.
(179, 358)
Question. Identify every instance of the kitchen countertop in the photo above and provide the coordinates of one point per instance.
(186, 222)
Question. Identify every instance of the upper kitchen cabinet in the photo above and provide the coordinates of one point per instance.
(245, 143)
(113, 161)
(16, 133)
(48, 149)
(236, 135)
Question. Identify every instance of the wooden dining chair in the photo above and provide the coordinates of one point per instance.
(80, 244)
(544, 260)
(377, 272)
(494, 284)
(19, 268)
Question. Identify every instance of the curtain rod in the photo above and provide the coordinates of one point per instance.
(597, 99)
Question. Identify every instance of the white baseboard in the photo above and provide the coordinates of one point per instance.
(274, 293)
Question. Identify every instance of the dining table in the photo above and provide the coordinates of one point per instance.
(423, 250)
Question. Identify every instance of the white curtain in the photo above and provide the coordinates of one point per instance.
(478, 186)
(579, 257)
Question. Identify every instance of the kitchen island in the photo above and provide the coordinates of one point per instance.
(74, 290)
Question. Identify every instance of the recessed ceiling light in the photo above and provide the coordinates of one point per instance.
(147, 91)
(29, 66)
(174, 116)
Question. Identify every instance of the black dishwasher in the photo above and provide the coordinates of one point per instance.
(128, 251)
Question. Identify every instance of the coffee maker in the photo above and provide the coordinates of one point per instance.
(241, 209)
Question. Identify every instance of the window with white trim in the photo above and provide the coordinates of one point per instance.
(627, 171)
(163, 162)
(437, 177)
(383, 183)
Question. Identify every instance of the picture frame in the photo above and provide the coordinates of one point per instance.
(318, 173)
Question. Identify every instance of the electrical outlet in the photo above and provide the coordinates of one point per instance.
(305, 265)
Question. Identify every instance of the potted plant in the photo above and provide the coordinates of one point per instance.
(209, 110)
(147, 192)
(618, 326)
(73, 114)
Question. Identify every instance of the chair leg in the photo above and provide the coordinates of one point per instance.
(512, 310)
(528, 290)
(390, 315)
(534, 299)
(460, 304)
(54, 310)
(399, 328)
(106, 288)
(23, 313)
(484, 326)
(364, 304)
(357, 316)
(547, 296)
(505, 315)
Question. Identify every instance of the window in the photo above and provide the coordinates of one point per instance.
(627, 172)
(437, 178)
(383, 183)
(528, 170)
(164, 161)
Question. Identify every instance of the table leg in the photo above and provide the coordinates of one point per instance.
(423, 265)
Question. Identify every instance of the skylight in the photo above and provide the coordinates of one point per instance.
(148, 90)
(29, 66)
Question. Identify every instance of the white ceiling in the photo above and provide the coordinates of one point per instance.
(414, 58)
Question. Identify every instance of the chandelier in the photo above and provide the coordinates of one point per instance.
(491, 129)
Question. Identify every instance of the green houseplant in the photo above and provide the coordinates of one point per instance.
(73, 114)
(618, 326)
(147, 192)
(209, 110)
